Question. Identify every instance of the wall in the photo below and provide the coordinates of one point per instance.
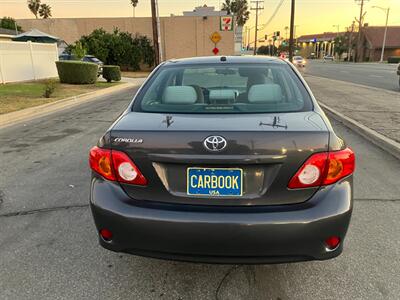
(22, 61)
(181, 36)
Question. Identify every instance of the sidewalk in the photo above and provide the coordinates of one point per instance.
(374, 108)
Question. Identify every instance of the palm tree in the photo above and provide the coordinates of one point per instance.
(45, 11)
(239, 8)
(134, 4)
(34, 6)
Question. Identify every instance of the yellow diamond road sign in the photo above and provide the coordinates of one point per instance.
(215, 37)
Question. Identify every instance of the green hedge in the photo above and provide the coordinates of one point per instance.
(394, 59)
(111, 73)
(77, 72)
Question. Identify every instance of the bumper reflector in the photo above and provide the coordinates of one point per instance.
(332, 242)
(106, 234)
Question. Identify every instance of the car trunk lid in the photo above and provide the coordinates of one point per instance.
(268, 148)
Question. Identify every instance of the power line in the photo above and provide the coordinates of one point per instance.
(273, 14)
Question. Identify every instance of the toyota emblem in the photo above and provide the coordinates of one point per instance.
(215, 143)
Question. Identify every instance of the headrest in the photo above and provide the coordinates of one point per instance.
(264, 93)
(179, 95)
(223, 95)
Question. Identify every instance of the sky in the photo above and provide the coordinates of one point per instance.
(312, 16)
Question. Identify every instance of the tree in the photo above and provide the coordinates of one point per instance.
(267, 50)
(9, 23)
(78, 51)
(239, 8)
(45, 11)
(341, 45)
(34, 6)
(118, 48)
(134, 3)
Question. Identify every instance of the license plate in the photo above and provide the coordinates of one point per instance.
(214, 181)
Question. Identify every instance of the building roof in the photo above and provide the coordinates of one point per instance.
(36, 36)
(319, 37)
(204, 11)
(374, 36)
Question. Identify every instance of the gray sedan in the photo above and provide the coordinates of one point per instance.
(223, 160)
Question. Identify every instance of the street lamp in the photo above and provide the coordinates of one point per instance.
(386, 27)
(338, 28)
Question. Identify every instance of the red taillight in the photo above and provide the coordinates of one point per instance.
(100, 162)
(115, 166)
(323, 169)
(341, 164)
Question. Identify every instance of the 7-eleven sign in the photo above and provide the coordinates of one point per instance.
(226, 23)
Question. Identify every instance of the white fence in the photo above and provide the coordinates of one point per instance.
(22, 61)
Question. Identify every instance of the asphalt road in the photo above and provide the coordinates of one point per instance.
(371, 74)
(48, 242)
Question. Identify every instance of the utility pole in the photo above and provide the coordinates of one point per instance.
(358, 55)
(387, 10)
(339, 40)
(155, 32)
(291, 41)
(350, 42)
(257, 8)
(160, 49)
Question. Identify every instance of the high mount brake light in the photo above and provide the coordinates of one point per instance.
(115, 166)
(323, 169)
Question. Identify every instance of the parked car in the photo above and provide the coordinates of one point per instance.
(299, 61)
(328, 58)
(87, 58)
(311, 56)
(223, 160)
(66, 56)
(95, 60)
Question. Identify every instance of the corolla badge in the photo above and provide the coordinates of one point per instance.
(128, 140)
(215, 143)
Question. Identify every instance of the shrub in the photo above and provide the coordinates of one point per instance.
(111, 73)
(77, 72)
(49, 88)
(394, 59)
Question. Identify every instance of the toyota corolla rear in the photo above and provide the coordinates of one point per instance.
(225, 160)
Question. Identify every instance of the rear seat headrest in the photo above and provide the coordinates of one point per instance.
(264, 93)
(179, 95)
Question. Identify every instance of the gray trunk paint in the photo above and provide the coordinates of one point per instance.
(268, 147)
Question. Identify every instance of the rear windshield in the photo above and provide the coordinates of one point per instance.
(242, 88)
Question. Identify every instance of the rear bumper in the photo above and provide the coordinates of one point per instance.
(270, 234)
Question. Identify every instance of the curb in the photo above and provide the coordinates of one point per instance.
(376, 138)
(355, 84)
(31, 113)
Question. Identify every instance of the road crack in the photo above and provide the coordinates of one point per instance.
(374, 199)
(42, 210)
(227, 274)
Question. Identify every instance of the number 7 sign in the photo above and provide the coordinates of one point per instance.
(226, 23)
